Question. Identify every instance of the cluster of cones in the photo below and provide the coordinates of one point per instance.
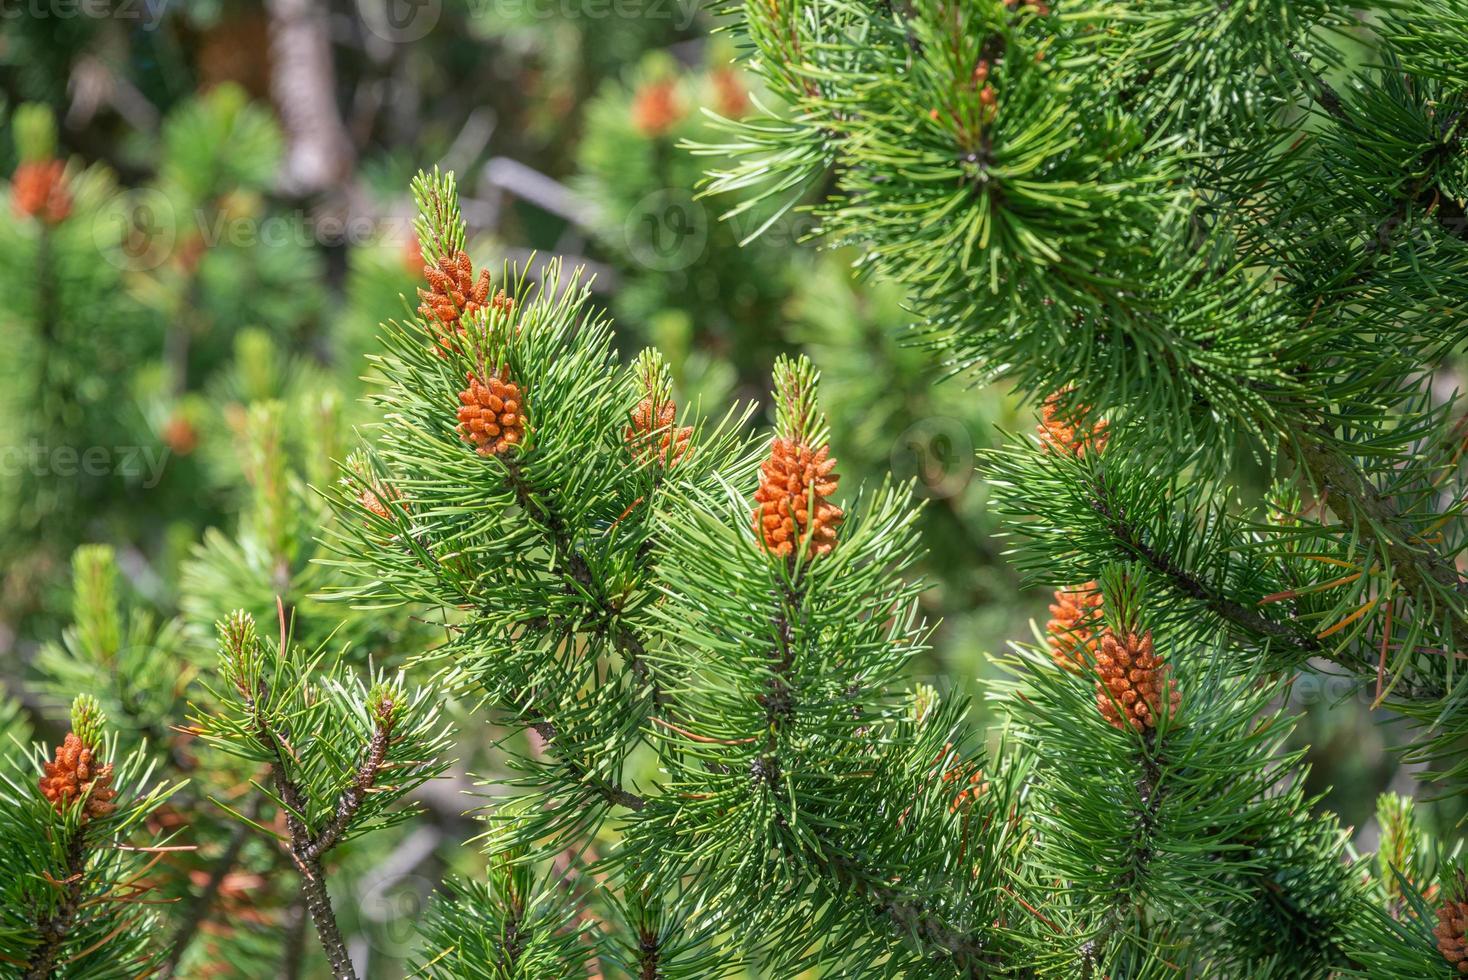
(1068, 430)
(77, 774)
(791, 505)
(654, 435)
(491, 409)
(491, 414)
(1452, 934)
(1131, 679)
(454, 293)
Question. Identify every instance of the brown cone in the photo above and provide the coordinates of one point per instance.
(1130, 682)
(653, 434)
(1075, 618)
(38, 190)
(491, 414)
(1067, 431)
(73, 775)
(791, 505)
(1452, 924)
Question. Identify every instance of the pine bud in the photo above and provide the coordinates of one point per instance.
(38, 190)
(240, 659)
(88, 719)
(655, 108)
(375, 499)
(456, 293)
(791, 506)
(76, 773)
(1066, 430)
(385, 702)
(1452, 925)
(491, 415)
(1130, 682)
(1075, 618)
(654, 434)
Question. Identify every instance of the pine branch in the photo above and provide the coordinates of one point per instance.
(913, 919)
(608, 790)
(1150, 790)
(56, 926)
(1249, 622)
(1424, 574)
(1422, 192)
(351, 798)
(313, 876)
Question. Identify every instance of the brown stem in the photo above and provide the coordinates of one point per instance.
(914, 919)
(318, 903)
(56, 926)
(1185, 582)
(313, 877)
(607, 790)
(351, 798)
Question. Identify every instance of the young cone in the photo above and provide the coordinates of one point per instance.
(791, 505)
(76, 773)
(1131, 679)
(455, 293)
(490, 414)
(1074, 626)
(1452, 934)
(1065, 429)
(654, 434)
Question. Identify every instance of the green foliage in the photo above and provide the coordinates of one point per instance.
(62, 866)
(315, 725)
(508, 927)
(1194, 837)
(122, 660)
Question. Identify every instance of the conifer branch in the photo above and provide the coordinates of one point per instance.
(610, 791)
(313, 875)
(351, 798)
(55, 926)
(1424, 574)
(913, 919)
(1250, 623)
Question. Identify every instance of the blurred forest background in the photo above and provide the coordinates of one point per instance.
(185, 321)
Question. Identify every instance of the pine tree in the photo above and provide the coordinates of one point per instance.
(1219, 250)
(1235, 239)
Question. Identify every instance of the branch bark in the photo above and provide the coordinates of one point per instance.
(56, 926)
(313, 876)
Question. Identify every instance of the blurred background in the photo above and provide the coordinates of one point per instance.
(207, 219)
